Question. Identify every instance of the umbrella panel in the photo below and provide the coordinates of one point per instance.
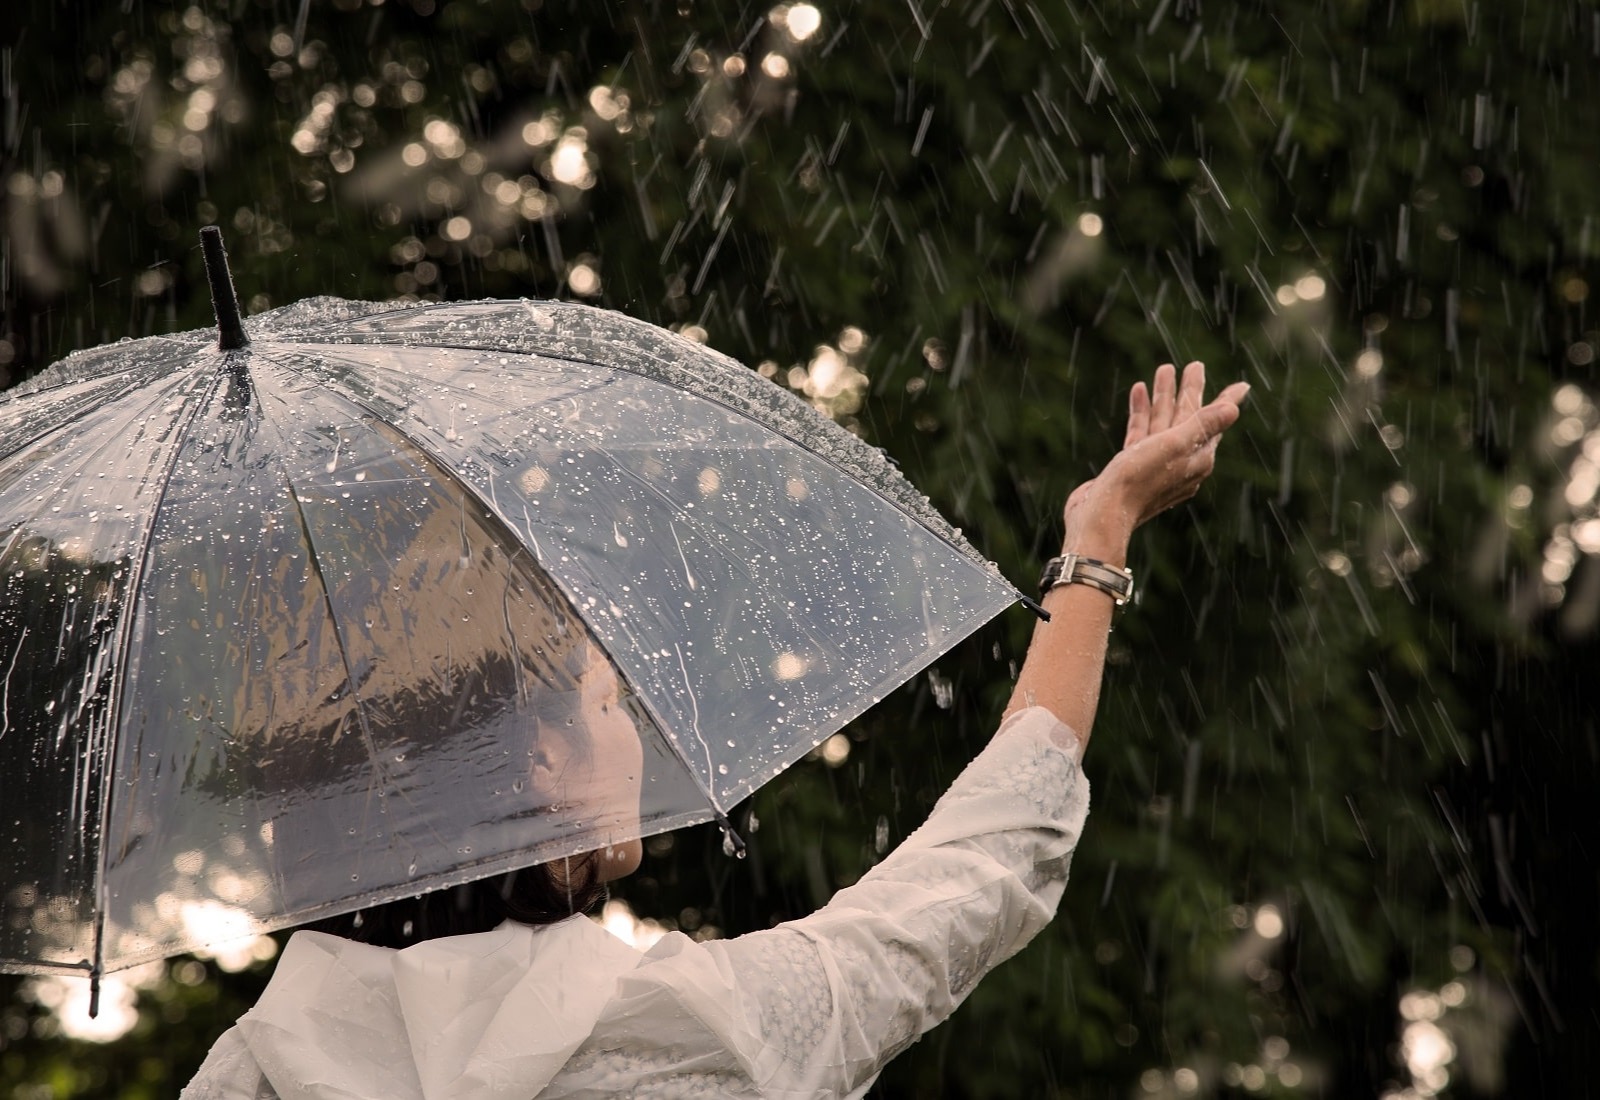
(77, 489)
(756, 596)
(341, 675)
(340, 599)
(364, 668)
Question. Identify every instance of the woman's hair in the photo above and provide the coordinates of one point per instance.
(542, 894)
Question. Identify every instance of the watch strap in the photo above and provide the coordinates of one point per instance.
(1115, 581)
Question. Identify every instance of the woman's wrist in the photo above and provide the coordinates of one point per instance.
(1098, 525)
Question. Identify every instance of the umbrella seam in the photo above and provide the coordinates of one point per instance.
(315, 562)
(13, 396)
(338, 636)
(33, 387)
(120, 674)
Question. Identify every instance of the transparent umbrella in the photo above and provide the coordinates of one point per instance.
(282, 620)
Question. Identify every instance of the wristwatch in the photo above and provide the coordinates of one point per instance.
(1115, 581)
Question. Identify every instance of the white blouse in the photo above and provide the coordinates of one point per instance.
(811, 1008)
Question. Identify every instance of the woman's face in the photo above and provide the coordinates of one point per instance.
(593, 767)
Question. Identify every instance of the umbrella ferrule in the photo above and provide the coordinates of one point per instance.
(732, 842)
(224, 299)
(1034, 606)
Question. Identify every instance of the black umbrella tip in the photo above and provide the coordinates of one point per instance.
(224, 300)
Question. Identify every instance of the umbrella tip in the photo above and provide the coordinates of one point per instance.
(224, 300)
(732, 843)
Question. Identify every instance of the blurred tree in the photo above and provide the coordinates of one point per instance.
(1345, 729)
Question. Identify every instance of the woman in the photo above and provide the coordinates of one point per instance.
(549, 1004)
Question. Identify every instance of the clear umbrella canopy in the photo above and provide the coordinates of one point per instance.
(293, 628)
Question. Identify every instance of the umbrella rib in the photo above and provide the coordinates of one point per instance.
(259, 353)
(50, 428)
(338, 636)
(937, 525)
(113, 717)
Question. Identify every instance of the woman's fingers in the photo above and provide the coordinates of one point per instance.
(1206, 426)
(1191, 391)
(1163, 401)
(1165, 459)
(1234, 394)
(1167, 402)
(1191, 447)
(1138, 414)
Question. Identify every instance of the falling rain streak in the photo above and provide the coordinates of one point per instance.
(1345, 744)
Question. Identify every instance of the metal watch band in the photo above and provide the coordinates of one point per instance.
(1114, 581)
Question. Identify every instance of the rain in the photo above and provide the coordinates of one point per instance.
(1343, 745)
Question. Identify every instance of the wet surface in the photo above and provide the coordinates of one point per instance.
(307, 601)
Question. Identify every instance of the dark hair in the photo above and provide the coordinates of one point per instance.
(541, 894)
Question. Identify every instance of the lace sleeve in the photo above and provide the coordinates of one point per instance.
(905, 945)
(816, 1007)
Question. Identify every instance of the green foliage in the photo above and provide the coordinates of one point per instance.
(1024, 208)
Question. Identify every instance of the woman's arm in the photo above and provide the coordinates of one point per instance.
(815, 1007)
(1168, 452)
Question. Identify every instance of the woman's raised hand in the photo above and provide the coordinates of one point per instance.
(1168, 452)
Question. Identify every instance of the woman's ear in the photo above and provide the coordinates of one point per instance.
(547, 765)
